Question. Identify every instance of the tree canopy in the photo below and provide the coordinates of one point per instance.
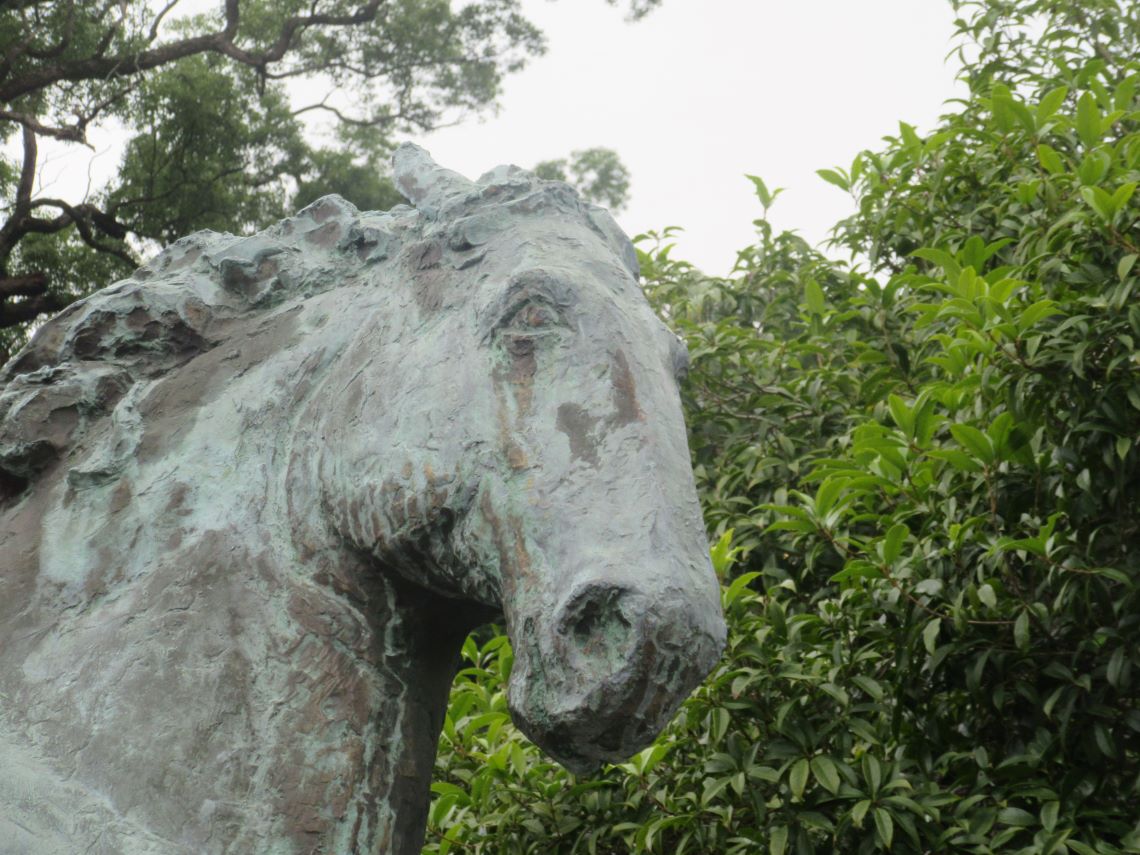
(213, 104)
(920, 467)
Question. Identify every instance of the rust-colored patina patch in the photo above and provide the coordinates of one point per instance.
(578, 425)
(624, 391)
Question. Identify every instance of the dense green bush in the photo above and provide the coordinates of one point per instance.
(923, 471)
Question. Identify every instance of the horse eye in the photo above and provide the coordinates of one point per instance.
(534, 316)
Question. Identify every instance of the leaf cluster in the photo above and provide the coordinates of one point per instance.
(921, 467)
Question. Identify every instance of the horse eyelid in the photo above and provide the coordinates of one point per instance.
(539, 304)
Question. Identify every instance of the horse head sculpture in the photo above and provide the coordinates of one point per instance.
(253, 498)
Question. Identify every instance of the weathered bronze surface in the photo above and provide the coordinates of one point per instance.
(253, 498)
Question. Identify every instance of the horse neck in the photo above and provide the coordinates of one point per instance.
(307, 685)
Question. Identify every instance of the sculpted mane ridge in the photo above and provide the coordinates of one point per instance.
(82, 362)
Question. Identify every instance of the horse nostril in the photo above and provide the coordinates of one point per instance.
(597, 623)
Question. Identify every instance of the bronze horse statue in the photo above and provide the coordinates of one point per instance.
(253, 498)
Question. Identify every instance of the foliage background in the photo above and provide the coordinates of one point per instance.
(921, 468)
(216, 103)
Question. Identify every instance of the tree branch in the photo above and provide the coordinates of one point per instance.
(83, 216)
(10, 231)
(102, 68)
(26, 310)
(28, 170)
(85, 211)
(157, 22)
(348, 120)
(72, 134)
(23, 286)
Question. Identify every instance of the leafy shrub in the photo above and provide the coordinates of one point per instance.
(923, 471)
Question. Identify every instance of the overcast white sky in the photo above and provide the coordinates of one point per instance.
(692, 98)
(703, 91)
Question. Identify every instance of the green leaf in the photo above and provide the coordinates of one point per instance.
(1050, 103)
(832, 176)
(987, 595)
(1099, 200)
(958, 459)
(1000, 106)
(1035, 313)
(1104, 740)
(797, 778)
(884, 826)
(827, 495)
(1116, 667)
(943, 259)
(778, 839)
(1125, 92)
(856, 569)
(859, 811)
(1050, 160)
(893, 542)
(872, 772)
(1124, 267)
(1088, 120)
(762, 193)
(722, 555)
(902, 415)
(735, 590)
(719, 720)
(930, 635)
(1093, 168)
(826, 773)
(974, 441)
(1049, 814)
(1122, 195)
(868, 685)
(1016, 817)
(1021, 631)
(813, 297)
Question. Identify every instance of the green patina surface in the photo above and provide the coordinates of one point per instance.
(253, 498)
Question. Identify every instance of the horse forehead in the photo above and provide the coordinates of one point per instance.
(562, 239)
(580, 263)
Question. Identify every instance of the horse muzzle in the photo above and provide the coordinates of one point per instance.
(606, 674)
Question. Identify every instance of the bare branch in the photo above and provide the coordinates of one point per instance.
(86, 212)
(110, 249)
(348, 120)
(23, 286)
(102, 68)
(233, 12)
(291, 27)
(10, 231)
(83, 217)
(157, 22)
(28, 170)
(28, 309)
(71, 134)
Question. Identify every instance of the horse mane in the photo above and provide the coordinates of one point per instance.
(82, 362)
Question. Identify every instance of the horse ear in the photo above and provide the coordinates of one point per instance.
(425, 183)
